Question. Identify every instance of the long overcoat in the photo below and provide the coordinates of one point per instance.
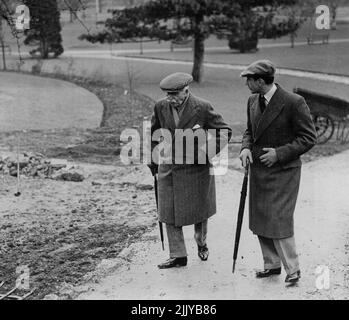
(186, 189)
(287, 126)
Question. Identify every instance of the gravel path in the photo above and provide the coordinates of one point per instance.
(321, 225)
(29, 102)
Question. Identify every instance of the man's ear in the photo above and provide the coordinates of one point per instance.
(262, 82)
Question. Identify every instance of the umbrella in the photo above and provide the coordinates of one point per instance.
(240, 214)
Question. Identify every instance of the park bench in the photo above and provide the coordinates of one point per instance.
(322, 37)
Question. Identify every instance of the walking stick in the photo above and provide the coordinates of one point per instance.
(240, 214)
(157, 207)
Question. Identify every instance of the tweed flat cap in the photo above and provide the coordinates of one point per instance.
(260, 67)
(175, 81)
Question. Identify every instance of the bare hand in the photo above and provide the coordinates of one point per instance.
(244, 155)
(269, 158)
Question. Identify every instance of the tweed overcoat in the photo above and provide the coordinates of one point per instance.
(287, 126)
(186, 191)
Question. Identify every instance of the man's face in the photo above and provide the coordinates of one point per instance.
(177, 98)
(253, 85)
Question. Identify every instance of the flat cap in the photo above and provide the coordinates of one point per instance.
(175, 81)
(261, 68)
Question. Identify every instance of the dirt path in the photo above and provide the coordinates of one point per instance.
(321, 226)
(50, 109)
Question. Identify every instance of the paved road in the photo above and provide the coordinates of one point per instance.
(28, 102)
(321, 225)
(222, 84)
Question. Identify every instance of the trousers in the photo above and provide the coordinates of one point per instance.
(276, 251)
(176, 238)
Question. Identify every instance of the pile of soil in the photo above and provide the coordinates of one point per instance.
(30, 165)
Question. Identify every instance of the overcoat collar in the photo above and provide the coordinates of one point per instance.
(189, 112)
(273, 109)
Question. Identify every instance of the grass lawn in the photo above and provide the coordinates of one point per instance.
(328, 58)
(51, 108)
(71, 32)
(93, 144)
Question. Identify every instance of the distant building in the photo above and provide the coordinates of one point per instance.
(106, 5)
(98, 10)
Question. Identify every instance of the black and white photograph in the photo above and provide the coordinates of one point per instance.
(174, 154)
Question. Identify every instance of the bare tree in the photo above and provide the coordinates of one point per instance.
(132, 76)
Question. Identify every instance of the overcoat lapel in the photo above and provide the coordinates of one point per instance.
(168, 116)
(255, 113)
(273, 109)
(188, 113)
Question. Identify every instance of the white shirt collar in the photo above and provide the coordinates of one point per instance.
(270, 93)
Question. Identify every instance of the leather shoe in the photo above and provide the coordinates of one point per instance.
(174, 262)
(294, 277)
(203, 252)
(268, 272)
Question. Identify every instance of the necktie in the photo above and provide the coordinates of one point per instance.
(262, 104)
(176, 115)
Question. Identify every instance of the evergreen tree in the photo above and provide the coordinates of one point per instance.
(244, 22)
(196, 19)
(45, 28)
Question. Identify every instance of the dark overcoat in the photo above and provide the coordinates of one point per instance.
(186, 191)
(287, 126)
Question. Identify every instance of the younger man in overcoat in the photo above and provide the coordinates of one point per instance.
(279, 130)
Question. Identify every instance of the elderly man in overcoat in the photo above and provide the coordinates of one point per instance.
(279, 130)
(186, 184)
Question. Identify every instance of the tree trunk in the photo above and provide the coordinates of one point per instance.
(292, 35)
(199, 50)
(3, 54)
(2, 46)
(44, 49)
